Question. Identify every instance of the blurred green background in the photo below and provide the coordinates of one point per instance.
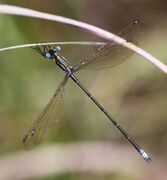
(134, 92)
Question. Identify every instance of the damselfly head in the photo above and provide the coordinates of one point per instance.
(57, 48)
(47, 55)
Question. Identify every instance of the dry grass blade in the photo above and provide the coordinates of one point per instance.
(7, 9)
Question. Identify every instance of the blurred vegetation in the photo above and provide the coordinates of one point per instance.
(135, 92)
(89, 176)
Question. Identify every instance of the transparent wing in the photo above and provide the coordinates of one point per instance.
(112, 54)
(46, 119)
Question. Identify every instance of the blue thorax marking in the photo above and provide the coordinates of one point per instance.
(69, 71)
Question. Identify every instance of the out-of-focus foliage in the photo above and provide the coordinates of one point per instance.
(90, 176)
(135, 92)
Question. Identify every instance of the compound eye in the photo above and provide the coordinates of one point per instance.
(57, 48)
(47, 55)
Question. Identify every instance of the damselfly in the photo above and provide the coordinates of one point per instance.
(108, 55)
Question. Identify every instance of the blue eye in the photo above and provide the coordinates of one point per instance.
(47, 55)
(57, 48)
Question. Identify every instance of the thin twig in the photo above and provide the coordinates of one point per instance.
(7, 9)
(52, 43)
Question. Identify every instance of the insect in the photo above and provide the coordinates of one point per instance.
(108, 55)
